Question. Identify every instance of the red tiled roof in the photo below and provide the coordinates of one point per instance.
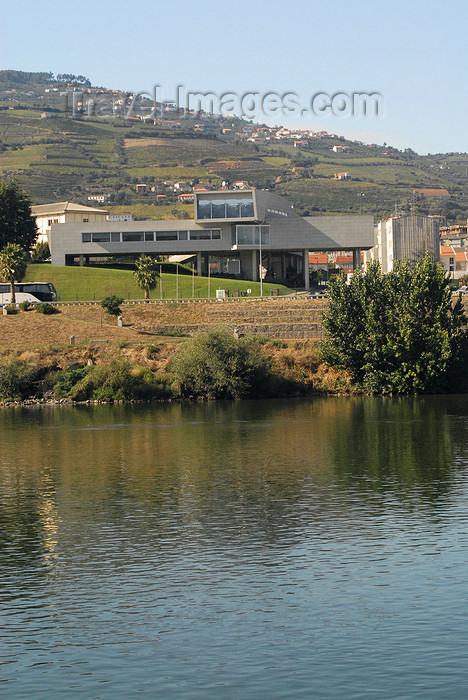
(318, 259)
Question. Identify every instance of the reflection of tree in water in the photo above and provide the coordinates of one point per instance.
(222, 476)
(401, 445)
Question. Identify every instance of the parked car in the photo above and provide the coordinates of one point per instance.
(316, 295)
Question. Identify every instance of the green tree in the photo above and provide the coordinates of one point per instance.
(17, 225)
(12, 266)
(112, 304)
(146, 274)
(398, 333)
(41, 251)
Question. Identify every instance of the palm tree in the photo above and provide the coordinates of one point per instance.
(12, 266)
(146, 274)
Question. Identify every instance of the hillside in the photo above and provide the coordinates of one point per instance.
(56, 157)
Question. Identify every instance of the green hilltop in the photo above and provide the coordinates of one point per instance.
(55, 157)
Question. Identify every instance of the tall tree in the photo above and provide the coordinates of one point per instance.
(146, 274)
(399, 333)
(17, 225)
(12, 266)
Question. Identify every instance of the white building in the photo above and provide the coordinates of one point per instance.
(98, 198)
(119, 217)
(404, 237)
(63, 213)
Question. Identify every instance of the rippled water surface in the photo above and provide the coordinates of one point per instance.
(245, 550)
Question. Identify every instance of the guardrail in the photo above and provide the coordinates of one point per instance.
(145, 302)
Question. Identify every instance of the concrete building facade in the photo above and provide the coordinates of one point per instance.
(247, 231)
(404, 237)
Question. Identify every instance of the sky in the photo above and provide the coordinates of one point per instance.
(412, 53)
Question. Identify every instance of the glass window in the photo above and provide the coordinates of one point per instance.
(115, 237)
(166, 235)
(216, 233)
(149, 235)
(101, 237)
(136, 236)
(247, 207)
(200, 235)
(183, 235)
(86, 238)
(250, 235)
(204, 209)
(232, 209)
(218, 209)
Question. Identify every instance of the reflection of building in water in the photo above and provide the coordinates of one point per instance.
(49, 520)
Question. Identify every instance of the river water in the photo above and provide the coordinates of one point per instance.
(280, 549)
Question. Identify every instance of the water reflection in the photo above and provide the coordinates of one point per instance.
(268, 464)
(178, 549)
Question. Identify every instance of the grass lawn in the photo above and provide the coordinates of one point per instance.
(152, 210)
(90, 283)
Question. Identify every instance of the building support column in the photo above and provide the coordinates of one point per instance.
(199, 264)
(255, 267)
(306, 271)
(283, 266)
(357, 259)
(82, 260)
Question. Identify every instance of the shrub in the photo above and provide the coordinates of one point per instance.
(66, 381)
(17, 381)
(25, 305)
(152, 350)
(112, 304)
(11, 310)
(216, 365)
(114, 381)
(46, 309)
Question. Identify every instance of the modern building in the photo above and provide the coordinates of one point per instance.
(63, 213)
(404, 237)
(242, 231)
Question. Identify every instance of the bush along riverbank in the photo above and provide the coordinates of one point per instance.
(210, 365)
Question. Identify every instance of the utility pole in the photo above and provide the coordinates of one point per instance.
(260, 263)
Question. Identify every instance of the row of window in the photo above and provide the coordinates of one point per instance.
(277, 211)
(209, 234)
(240, 207)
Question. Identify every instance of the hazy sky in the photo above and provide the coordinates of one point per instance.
(413, 52)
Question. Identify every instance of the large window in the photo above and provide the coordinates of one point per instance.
(229, 208)
(167, 235)
(131, 236)
(206, 234)
(250, 235)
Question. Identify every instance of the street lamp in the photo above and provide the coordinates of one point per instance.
(361, 195)
(260, 262)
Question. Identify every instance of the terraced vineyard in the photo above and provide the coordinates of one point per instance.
(59, 158)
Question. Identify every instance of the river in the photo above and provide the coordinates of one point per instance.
(281, 549)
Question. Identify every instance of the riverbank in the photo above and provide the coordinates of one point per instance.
(144, 370)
